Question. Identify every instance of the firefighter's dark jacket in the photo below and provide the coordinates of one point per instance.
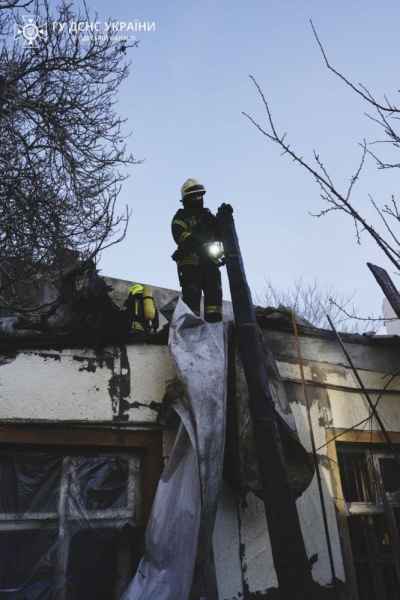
(192, 229)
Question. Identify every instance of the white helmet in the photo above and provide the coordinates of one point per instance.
(190, 186)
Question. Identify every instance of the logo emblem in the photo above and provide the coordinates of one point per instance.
(30, 31)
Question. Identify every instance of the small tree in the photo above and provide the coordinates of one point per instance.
(313, 303)
(61, 150)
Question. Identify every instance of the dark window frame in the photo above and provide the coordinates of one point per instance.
(358, 440)
(142, 448)
(148, 442)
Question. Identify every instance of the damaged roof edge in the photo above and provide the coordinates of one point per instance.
(75, 340)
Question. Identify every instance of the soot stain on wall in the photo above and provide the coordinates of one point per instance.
(119, 385)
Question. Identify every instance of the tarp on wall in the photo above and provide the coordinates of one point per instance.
(67, 519)
(178, 560)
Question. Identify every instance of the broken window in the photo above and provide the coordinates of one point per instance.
(371, 487)
(70, 524)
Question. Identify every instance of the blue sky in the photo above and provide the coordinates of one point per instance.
(184, 100)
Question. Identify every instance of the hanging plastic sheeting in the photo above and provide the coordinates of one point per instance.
(178, 562)
(68, 524)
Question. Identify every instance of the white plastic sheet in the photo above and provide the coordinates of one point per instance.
(178, 561)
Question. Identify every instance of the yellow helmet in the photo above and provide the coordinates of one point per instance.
(136, 288)
(190, 186)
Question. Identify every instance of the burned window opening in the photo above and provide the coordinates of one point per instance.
(70, 523)
(363, 470)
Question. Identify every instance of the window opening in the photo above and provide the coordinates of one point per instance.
(70, 524)
(362, 472)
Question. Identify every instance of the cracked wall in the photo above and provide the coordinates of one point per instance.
(112, 384)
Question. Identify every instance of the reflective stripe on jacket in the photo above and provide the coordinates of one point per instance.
(190, 230)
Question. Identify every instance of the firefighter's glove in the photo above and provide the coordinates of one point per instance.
(226, 208)
(177, 255)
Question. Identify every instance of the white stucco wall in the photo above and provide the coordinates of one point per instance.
(116, 383)
(335, 401)
(392, 323)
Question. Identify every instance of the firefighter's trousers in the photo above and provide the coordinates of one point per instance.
(194, 280)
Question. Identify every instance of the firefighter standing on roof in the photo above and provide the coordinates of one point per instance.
(194, 229)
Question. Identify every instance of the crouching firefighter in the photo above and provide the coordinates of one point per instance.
(139, 309)
(199, 254)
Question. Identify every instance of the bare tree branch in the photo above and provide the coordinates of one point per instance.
(364, 94)
(62, 151)
(329, 193)
(386, 118)
(15, 4)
